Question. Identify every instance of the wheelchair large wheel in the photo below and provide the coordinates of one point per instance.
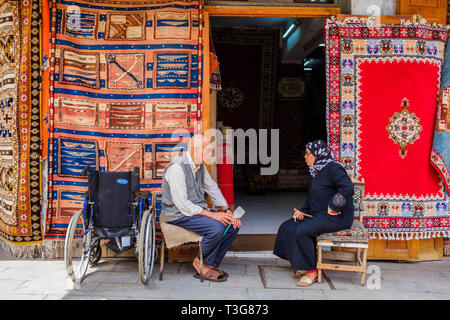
(77, 247)
(146, 246)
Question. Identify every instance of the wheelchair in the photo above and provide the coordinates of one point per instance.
(113, 209)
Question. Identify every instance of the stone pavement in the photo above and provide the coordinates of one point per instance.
(249, 278)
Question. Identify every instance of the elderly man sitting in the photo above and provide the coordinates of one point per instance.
(184, 184)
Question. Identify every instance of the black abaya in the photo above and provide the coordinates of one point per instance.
(296, 242)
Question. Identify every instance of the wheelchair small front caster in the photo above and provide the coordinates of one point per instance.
(95, 254)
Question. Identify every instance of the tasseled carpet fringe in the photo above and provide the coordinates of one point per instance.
(409, 235)
(214, 86)
(24, 251)
(49, 249)
(447, 247)
(52, 249)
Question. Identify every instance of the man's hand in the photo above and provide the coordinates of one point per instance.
(237, 223)
(224, 208)
(225, 217)
(333, 213)
(298, 215)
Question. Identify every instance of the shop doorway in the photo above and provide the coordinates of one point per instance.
(271, 76)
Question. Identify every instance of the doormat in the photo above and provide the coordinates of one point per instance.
(253, 242)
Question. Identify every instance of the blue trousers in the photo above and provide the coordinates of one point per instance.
(214, 244)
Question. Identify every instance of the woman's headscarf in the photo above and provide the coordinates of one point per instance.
(323, 155)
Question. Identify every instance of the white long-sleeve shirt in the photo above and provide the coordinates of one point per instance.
(176, 179)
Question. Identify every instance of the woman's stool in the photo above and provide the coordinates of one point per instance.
(356, 238)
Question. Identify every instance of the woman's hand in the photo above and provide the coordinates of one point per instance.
(237, 223)
(333, 213)
(298, 215)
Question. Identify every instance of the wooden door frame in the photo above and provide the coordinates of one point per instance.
(248, 11)
(272, 11)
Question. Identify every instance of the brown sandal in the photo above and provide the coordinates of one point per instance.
(221, 271)
(212, 275)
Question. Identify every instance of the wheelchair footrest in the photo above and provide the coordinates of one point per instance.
(112, 245)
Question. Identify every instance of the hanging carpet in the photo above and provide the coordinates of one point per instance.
(20, 224)
(440, 154)
(124, 76)
(382, 89)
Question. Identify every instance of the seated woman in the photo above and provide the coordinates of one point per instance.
(329, 202)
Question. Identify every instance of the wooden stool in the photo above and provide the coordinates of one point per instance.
(174, 236)
(356, 238)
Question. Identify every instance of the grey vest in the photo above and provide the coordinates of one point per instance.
(194, 185)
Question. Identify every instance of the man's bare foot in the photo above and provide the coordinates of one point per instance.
(196, 264)
(308, 279)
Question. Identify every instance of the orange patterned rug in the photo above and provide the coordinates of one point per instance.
(19, 125)
(124, 76)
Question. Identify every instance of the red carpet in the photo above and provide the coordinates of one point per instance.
(383, 87)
